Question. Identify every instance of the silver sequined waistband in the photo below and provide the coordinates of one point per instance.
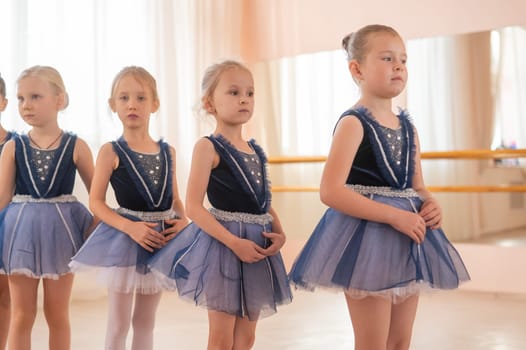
(149, 216)
(25, 198)
(260, 219)
(384, 191)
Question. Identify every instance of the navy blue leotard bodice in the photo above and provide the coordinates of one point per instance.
(375, 163)
(45, 173)
(133, 187)
(231, 186)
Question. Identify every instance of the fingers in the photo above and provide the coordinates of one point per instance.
(154, 241)
(254, 257)
(152, 238)
(146, 246)
(419, 230)
(277, 239)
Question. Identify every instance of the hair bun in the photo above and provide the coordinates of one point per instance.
(345, 41)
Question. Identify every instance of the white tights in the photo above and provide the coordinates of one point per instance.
(119, 316)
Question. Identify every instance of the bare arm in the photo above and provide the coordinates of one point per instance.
(7, 173)
(176, 225)
(430, 211)
(277, 236)
(204, 159)
(83, 159)
(141, 232)
(346, 140)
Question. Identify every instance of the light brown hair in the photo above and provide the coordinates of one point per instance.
(356, 44)
(49, 75)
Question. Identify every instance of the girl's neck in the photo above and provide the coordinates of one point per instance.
(45, 138)
(381, 109)
(140, 141)
(234, 135)
(47, 130)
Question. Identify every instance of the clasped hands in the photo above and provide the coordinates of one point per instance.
(250, 252)
(146, 235)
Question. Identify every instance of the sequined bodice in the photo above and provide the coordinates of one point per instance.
(45, 173)
(41, 160)
(142, 182)
(385, 156)
(393, 138)
(239, 183)
(152, 164)
(254, 170)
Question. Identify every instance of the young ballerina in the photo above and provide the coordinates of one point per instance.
(143, 176)
(380, 241)
(43, 224)
(5, 309)
(228, 259)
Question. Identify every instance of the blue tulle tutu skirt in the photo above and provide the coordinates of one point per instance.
(365, 258)
(2, 269)
(207, 273)
(120, 262)
(39, 238)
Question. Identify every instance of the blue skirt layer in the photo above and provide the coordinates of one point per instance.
(370, 258)
(206, 272)
(121, 263)
(39, 239)
(2, 216)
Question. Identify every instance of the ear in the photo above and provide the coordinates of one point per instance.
(156, 105)
(111, 103)
(3, 104)
(355, 69)
(62, 101)
(208, 105)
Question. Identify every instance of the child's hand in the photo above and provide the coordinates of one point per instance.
(247, 251)
(410, 224)
(174, 226)
(277, 239)
(431, 212)
(145, 235)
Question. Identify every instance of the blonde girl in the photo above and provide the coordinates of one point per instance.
(142, 174)
(380, 240)
(228, 259)
(43, 224)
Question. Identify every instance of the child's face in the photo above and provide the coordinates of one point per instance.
(3, 103)
(233, 97)
(133, 102)
(38, 101)
(384, 71)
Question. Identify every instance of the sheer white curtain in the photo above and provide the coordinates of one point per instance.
(510, 82)
(298, 101)
(89, 41)
(449, 95)
(304, 95)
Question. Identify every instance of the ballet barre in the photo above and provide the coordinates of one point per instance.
(463, 154)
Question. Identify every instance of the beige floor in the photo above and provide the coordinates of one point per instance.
(457, 320)
(450, 320)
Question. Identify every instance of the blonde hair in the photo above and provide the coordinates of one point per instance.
(212, 75)
(49, 75)
(356, 44)
(141, 75)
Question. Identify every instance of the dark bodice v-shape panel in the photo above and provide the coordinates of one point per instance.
(374, 163)
(59, 178)
(231, 186)
(133, 188)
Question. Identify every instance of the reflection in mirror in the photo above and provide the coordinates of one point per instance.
(464, 92)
